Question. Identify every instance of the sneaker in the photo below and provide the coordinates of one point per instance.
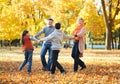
(83, 67)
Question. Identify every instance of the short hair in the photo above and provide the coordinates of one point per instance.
(50, 19)
(57, 25)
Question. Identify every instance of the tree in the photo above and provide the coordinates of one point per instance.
(109, 18)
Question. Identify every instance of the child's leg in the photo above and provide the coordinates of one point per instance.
(25, 60)
(55, 62)
(30, 53)
(52, 68)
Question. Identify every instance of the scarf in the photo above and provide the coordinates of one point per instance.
(76, 31)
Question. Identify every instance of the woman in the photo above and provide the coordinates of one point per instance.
(79, 45)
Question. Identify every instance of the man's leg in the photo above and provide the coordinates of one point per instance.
(43, 53)
(49, 58)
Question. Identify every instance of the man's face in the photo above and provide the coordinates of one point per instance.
(50, 22)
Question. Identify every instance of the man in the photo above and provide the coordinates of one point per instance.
(47, 45)
(57, 36)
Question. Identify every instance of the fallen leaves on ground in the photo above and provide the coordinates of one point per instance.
(100, 70)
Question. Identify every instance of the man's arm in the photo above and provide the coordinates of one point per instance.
(49, 37)
(39, 33)
(33, 38)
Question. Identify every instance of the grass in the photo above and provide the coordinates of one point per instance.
(103, 67)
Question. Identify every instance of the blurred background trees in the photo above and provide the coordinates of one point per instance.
(102, 18)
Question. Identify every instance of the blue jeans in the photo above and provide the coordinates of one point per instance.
(28, 58)
(46, 47)
(55, 63)
(75, 56)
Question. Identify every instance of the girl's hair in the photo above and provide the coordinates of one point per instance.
(23, 34)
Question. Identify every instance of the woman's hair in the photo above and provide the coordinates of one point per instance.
(23, 34)
(81, 19)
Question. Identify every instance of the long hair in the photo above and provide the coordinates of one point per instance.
(23, 34)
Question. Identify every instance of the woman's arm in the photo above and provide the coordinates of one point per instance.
(81, 33)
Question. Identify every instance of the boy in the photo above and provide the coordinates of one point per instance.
(57, 36)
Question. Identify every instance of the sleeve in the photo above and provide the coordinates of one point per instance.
(66, 36)
(33, 38)
(81, 33)
(39, 33)
(49, 37)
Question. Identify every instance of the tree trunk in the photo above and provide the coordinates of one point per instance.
(119, 39)
(108, 28)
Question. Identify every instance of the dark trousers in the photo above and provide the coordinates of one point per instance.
(75, 56)
(55, 63)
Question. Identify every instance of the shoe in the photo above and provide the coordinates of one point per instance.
(83, 67)
(29, 71)
(63, 72)
(44, 69)
(51, 72)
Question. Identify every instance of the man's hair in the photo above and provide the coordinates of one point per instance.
(57, 25)
(50, 19)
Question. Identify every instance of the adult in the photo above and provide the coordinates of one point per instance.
(79, 44)
(46, 45)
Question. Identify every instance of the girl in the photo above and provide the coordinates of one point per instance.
(27, 48)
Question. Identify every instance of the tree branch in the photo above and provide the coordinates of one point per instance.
(117, 10)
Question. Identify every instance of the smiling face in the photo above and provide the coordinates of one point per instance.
(50, 22)
(80, 21)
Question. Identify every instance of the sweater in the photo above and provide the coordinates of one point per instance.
(28, 43)
(46, 30)
(56, 38)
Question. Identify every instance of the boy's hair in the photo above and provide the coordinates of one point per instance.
(23, 34)
(58, 25)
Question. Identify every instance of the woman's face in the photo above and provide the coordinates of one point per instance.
(80, 21)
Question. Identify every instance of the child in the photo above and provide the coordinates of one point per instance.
(56, 36)
(27, 48)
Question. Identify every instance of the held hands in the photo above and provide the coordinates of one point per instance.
(75, 35)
